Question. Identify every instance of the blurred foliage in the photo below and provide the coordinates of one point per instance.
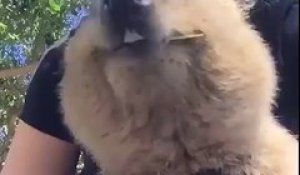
(27, 28)
(34, 22)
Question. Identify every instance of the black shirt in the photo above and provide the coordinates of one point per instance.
(278, 23)
(276, 20)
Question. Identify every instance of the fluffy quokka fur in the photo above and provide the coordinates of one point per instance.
(191, 106)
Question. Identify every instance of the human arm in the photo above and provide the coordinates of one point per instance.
(42, 144)
(33, 152)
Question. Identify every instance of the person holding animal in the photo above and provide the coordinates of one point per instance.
(160, 105)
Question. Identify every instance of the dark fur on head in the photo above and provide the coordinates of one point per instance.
(133, 16)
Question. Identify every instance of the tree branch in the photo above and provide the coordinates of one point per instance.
(7, 73)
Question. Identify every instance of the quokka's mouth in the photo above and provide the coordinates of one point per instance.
(137, 19)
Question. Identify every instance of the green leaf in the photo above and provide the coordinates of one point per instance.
(55, 6)
(13, 36)
(3, 27)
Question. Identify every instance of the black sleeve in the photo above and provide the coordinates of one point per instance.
(42, 109)
(278, 23)
(289, 99)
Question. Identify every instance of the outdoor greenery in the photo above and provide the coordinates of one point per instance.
(27, 28)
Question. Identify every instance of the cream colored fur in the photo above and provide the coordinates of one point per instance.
(196, 105)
